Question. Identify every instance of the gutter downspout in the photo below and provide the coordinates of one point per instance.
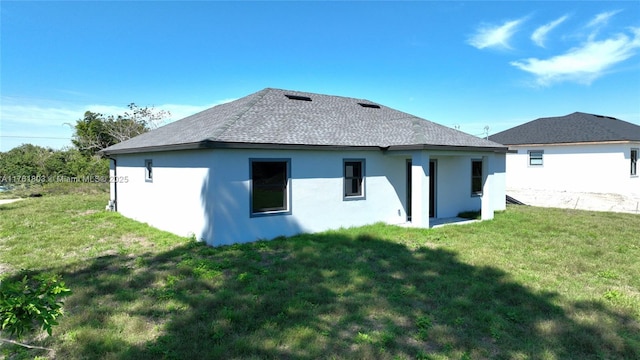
(114, 181)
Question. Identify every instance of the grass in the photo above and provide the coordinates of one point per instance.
(532, 284)
(25, 190)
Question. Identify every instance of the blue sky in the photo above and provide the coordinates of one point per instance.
(462, 64)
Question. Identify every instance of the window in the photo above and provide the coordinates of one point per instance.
(476, 177)
(353, 179)
(148, 170)
(269, 186)
(535, 157)
(634, 162)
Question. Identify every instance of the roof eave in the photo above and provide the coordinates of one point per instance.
(207, 144)
(145, 149)
(599, 142)
(496, 149)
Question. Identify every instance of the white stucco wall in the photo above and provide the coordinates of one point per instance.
(598, 168)
(317, 202)
(453, 186)
(207, 192)
(498, 169)
(453, 183)
(171, 201)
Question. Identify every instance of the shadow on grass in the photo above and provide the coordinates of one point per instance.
(325, 295)
(11, 205)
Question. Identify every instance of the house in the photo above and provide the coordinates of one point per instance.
(281, 162)
(576, 153)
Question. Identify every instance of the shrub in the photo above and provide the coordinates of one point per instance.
(30, 301)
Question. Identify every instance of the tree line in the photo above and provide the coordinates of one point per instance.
(29, 163)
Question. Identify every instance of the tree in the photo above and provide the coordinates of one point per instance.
(96, 132)
(91, 134)
(25, 160)
(136, 122)
(40, 164)
(78, 164)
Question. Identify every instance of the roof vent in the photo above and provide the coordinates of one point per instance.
(297, 97)
(605, 117)
(373, 106)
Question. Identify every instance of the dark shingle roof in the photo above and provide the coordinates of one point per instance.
(573, 128)
(270, 117)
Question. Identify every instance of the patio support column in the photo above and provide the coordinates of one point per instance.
(420, 189)
(487, 206)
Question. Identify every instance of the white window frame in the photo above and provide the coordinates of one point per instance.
(286, 209)
(349, 178)
(541, 152)
(480, 192)
(634, 161)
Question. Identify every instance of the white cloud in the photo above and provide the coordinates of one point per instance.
(602, 18)
(180, 111)
(585, 63)
(600, 21)
(539, 36)
(104, 109)
(494, 36)
(44, 122)
(35, 115)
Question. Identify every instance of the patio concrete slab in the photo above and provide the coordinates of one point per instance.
(627, 203)
(8, 201)
(435, 223)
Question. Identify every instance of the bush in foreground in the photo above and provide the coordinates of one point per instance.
(31, 301)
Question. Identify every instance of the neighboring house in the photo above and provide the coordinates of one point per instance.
(574, 153)
(281, 162)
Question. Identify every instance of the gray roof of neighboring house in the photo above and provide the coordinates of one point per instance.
(275, 117)
(573, 128)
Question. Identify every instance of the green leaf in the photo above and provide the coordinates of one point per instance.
(31, 301)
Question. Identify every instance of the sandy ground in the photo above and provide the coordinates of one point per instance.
(629, 203)
(7, 201)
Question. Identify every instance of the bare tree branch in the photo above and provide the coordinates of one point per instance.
(25, 345)
(96, 132)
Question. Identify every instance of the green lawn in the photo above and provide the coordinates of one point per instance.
(532, 284)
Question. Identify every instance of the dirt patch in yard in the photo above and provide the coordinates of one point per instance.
(131, 240)
(627, 203)
(5, 269)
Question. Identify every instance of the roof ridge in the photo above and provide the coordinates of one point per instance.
(357, 99)
(606, 128)
(597, 115)
(259, 96)
(601, 123)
